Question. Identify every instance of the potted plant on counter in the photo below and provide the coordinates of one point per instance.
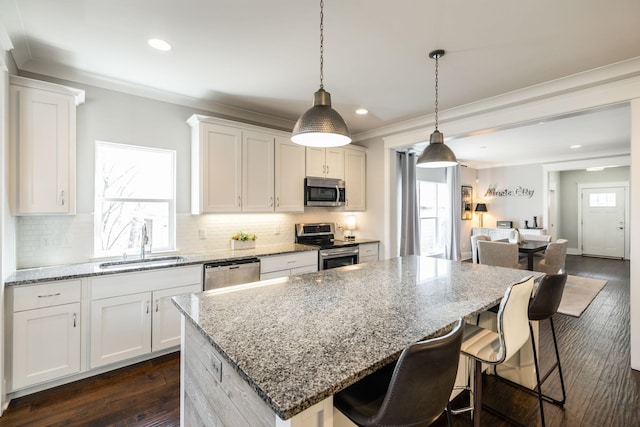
(242, 240)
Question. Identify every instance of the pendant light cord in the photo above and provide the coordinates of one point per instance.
(321, 44)
(437, 57)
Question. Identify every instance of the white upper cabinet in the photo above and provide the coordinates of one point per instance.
(289, 176)
(43, 146)
(257, 172)
(325, 162)
(216, 169)
(233, 167)
(355, 179)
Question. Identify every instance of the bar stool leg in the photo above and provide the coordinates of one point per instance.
(555, 344)
(535, 359)
(477, 393)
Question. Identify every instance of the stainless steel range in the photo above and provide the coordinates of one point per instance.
(332, 253)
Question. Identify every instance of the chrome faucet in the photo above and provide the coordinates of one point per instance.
(144, 239)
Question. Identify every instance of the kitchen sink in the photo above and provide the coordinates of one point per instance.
(143, 262)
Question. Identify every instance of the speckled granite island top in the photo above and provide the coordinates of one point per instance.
(73, 271)
(301, 339)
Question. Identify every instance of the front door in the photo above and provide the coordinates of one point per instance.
(603, 221)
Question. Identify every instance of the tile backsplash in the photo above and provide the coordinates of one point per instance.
(55, 240)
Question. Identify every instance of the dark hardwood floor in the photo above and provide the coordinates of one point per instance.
(146, 394)
(602, 390)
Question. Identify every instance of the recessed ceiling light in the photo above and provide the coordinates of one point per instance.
(362, 111)
(576, 146)
(159, 44)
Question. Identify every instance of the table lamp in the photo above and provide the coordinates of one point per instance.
(481, 208)
(351, 225)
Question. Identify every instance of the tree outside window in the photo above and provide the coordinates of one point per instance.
(134, 186)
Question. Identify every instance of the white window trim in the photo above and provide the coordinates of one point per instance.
(97, 232)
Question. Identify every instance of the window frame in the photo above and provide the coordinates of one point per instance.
(439, 186)
(98, 202)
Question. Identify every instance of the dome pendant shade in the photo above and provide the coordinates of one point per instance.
(436, 154)
(321, 125)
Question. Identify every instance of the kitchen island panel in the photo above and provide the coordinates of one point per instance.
(215, 391)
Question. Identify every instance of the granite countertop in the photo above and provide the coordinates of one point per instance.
(301, 339)
(74, 271)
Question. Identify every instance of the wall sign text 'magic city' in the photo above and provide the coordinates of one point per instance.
(493, 191)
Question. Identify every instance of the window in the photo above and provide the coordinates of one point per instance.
(602, 200)
(433, 205)
(134, 186)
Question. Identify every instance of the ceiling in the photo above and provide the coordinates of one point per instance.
(263, 57)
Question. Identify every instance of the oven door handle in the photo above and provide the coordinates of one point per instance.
(333, 253)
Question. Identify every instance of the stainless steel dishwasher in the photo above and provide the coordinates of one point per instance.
(221, 274)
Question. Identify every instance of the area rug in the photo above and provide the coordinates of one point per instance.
(578, 294)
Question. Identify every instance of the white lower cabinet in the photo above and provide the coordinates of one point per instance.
(132, 314)
(368, 252)
(120, 328)
(286, 265)
(45, 332)
(165, 330)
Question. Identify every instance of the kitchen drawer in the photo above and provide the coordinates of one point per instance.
(47, 294)
(119, 284)
(304, 269)
(368, 252)
(288, 261)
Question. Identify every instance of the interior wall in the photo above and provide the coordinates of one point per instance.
(113, 116)
(512, 207)
(569, 202)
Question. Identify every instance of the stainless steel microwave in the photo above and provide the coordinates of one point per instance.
(323, 192)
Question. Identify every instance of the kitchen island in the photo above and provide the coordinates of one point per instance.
(275, 352)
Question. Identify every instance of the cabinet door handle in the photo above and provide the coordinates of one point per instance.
(62, 197)
(327, 168)
(49, 295)
(278, 201)
(271, 201)
(157, 306)
(324, 169)
(239, 201)
(75, 317)
(147, 307)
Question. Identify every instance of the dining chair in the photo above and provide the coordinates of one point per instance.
(500, 254)
(554, 257)
(414, 391)
(536, 237)
(474, 246)
(495, 347)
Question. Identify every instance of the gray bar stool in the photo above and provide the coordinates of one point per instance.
(493, 348)
(544, 305)
(413, 391)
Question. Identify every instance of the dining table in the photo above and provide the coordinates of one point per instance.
(529, 248)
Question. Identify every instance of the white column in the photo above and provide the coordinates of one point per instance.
(635, 234)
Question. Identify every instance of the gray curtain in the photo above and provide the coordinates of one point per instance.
(452, 238)
(409, 220)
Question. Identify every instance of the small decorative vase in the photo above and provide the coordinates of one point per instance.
(237, 245)
(526, 224)
(514, 236)
(535, 222)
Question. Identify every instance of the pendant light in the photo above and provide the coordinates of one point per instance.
(321, 125)
(436, 154)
